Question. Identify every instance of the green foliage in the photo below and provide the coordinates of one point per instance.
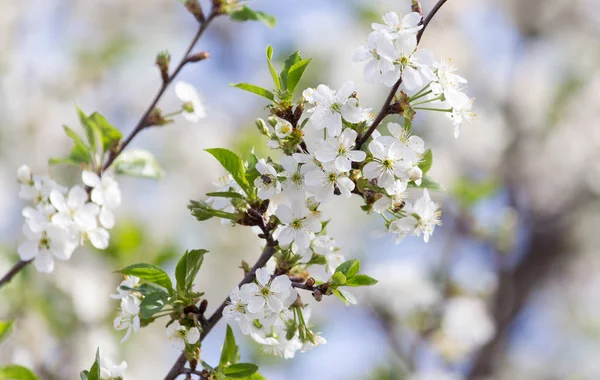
(94, 372)
(426, 161)
(80, 153)
(235, 166)
(427, 183)
(255, 90)
(225, 194)
(469, 192)
(16, 372)
(229, 368)
(240, 370)
(138, 163)
(272, 68)
(150, 273)
(153, 303)
(346, 274)
(5, 329)
(187, 269)
(109, 135)
(247, 14)
(229, 353)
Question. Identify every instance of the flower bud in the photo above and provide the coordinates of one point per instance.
(24, 175)
(193, 6)
(416, 7)
(262, 127)
(162, 61)
(198, 56)
(272, 121)
(310, 282)
(318, 295)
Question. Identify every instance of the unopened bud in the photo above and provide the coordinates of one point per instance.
(193, 6)
(198, 56)
(310, 282)
(272, 121)
(156, 118)
(162, 61)
(416, 7)
(318, 295)
(262, 127)
(203, 306)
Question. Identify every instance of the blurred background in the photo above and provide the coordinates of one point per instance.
(508, 287)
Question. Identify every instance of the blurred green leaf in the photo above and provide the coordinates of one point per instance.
(150, 273)
(94, 373)
(16, 372)
(427, 183)
(110, 135)
(226, 194)
(255, 90)
(138, 163)
(187, 269)
(361, 280)
(5, 328)
(349, 268)
(295, 74)
(247, 14)
(240, 370)
(90, 129)
(153, 303)
(469, 192)
(80, 153)
(426, 161)
(345, 296)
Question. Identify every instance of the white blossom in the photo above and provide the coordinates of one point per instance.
(105, 189)
(74, 210)
(299, 225)
(339, 150)
(129, 282)
(395, 199)
(462, 107)
(44, 246)
(24, 175)
(193, 109)
(324, 182)
(283, 128)
(237, 309)
(267, 292)
(331, 106)
(399, 25)
(379, 54)
(128, 319)
(267, 183)
(389, 163)
(429, 215)
(112, 371)
(293, 185)
(180, 335)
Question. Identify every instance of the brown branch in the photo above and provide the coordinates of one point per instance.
(267, 253)
(142, 124)
(361, 139)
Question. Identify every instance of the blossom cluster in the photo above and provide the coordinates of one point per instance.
(128, 318)
(391, 54)
(59, 219)
(266, 310)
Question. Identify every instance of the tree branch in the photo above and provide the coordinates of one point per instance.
(137, 129)
(384, 109)
(267, 253)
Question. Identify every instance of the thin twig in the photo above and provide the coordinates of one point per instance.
(361, 139)
(138, 128)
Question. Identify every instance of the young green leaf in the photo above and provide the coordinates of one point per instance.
(225, 194)
(80, 153)
(240, 370)
(84, 374)
(295, 74)
(5, 329)
(200, 210)
(94, 373)
(247, 14)
(289, 62)
(360, 280)
(426, 161)
(152, 304)
(349, 268)
(150, 273)
(338, 278)
(187, 269)
(229, 351)
(138, 163)
(16, 372)
(234, 165)
(272, 68)
(109, 134)
(255, 90)
(90, 129)
(427, 183)
(345, 296)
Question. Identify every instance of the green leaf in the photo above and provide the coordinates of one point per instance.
(272, 68)
(360, 280)
(240, 370)
(255, 90)
(80, 153)
(200, 210)
(289, 62)
(150, 273)
(152, 304)
(234, 165)
(16, 372)
(426, 161)
(247, 14)
(338, 278)
(229, 351)
(346, 296)
(295, 74)
(138, 163)
(95, 370)
(187, 269)
(5, 329)
(226, 194)
(427, 183)
(256, 376)
(469, 192)
(90, 129)
(110, 135)
(349, 268)
(84, 374)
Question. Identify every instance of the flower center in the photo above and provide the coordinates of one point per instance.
(296, 224)
(387, 163)
(265, 292)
